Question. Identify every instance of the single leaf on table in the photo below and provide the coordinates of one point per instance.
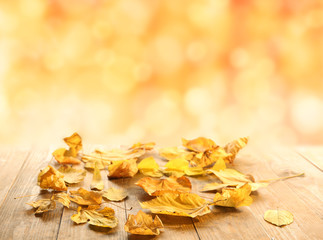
(84, 197)
(63, 156)
(178, 204)
(199, 144)
(72, 175)
(97, 182)
(114, 194)
(62, 198)
(156, 187)
(75, 143)
(149, 167)
(171, 153)
(236, 197)
(43, 205)
(234, 147)
(143, 224)
(279, 217)
(123, 168)
(50, 178)
(176, 167)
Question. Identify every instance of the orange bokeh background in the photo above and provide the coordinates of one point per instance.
(133, 70)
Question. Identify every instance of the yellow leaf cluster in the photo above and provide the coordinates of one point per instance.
(50, 178)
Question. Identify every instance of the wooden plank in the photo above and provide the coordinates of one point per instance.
(17, 217)
(70, 230)
(312, 154)
(292, 195)
(10, 164)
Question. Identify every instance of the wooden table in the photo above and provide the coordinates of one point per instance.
(302, 196)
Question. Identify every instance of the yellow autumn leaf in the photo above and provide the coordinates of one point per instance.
(219, 165)
(72, 175)
(91, 164)
(142, 146)
(236, 197)
(279, 217)
(208, 157)
(111, 155)
(171, 153)
(156, 187)
(63, 156)
(123, 168)
(62, 198)
(149, 167)
(178, 204)
(84, 197)
(114, 194)
(79, 217)
(50, 178)
(143, 224)
(177, 165)
(75, 143)
(97, 182)
(43, 205)
(234, 147)
(194, 171)
(199, 144)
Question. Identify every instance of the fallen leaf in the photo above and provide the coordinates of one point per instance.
(234, 147)
(199, 144)
(149, 167)
(50, 178)
(62, 198)
(142, 146)
(219, 165)
(176, 167)
(97, 182)
(123, 168)
(171, 153)
(80, 216)
(178, 204)
(114, 194)
(63, 156)
(208, 157)
(143, 224)
(156, 187)
(236, 197)
(84, 197)
(72, 175)
(75, 144)
(100, 164)
(279, 217)
(43, 205)
(230, 175)
(194, 171)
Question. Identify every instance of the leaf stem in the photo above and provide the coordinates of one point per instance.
(281, 178)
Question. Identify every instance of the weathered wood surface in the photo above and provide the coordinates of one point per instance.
(302, 196)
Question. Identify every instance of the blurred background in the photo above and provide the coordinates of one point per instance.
(121, 71)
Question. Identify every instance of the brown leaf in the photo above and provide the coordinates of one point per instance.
(114, 194)
(156, 187)
(123, 168)
(72, 175)
(50, 178)
(143, 224)
(43, 205)
(84, 197)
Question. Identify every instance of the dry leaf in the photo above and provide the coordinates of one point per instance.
(156, 187)
(43, 205)
(149, 167)
(279, 217)
(217, 186)
(171, 153)
(123, 168)
(63, 156)
(234, 147)
(62, 198)
(75, 144)
(208, 157)
(219, 165)
(84, 197)
(194, 171)
(199, 144)
(97, 182)
(142, 146)
(178, 204)
(72, 175)
(176, 167)
(100, 218)
(114, 194)
(100, 164)
(50, 178)
(236, 197)
(143, 224)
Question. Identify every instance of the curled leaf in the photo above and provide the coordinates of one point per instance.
(210, 156)
(75, 144)
(50, 178)
(114, 194)
(123, 168)
(156, 187)
(149, 167)
(178, 204)
(84, 197)
(43, 205)
(97, 182)
(62, 198)
(143, 224)
(236, 197)
(63, 156)
(72, 175)
(199, 144)
(234, 147)
(279, 217)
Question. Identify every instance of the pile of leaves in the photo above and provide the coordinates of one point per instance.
(169, 185)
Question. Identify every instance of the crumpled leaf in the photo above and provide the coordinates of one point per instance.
(72, 175)
(178, 204)
(123, 168)
(236, 197)
(176, 167)
(279, 217)
(63, 156)
(219, 165)
(62, 198)
(75, 144)
(194, 171)
(171, 153)
(234, 147)
(90, 164)
(100, 218)
(84, 197)
(156, 187)
(97, 182)
(114, 194)
(50, 178)
(199, 144)
(149, 167)
(210, 156)
(143, 224)
(43, 205)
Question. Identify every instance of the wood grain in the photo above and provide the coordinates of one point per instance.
(312, 154)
